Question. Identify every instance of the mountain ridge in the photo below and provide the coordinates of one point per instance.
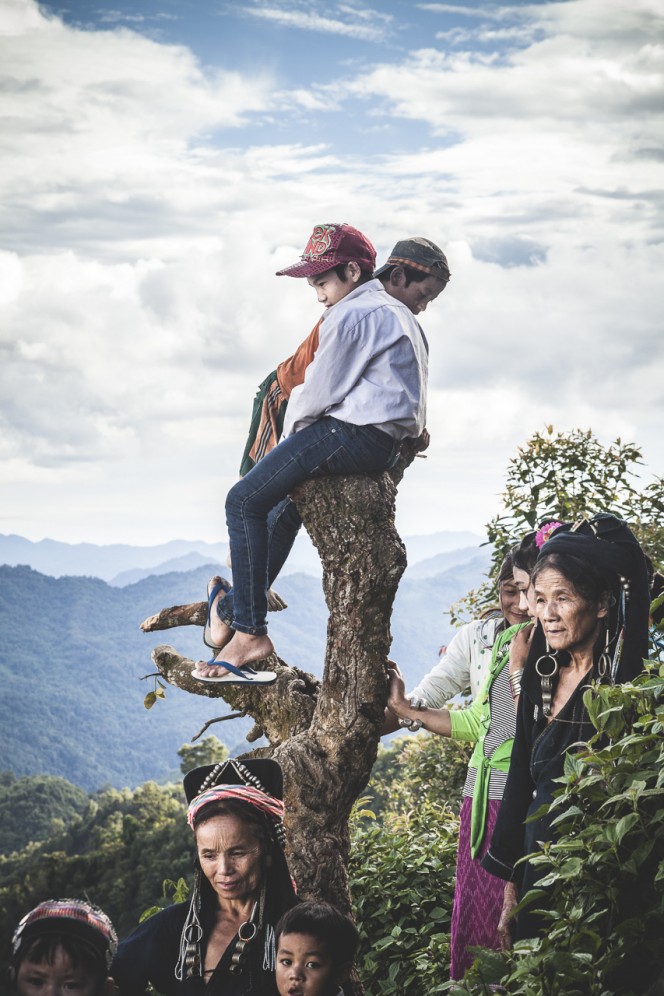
(74, 665)
(109, 561)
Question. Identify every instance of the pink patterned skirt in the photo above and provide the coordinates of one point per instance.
(478, 897)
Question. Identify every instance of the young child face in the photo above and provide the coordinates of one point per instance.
(330, 289)
(305, 967)
(59, 979)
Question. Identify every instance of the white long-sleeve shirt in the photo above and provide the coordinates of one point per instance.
(370, 367)
(465, 662)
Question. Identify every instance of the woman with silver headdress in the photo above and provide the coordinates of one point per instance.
(590, 593)
(222, 940)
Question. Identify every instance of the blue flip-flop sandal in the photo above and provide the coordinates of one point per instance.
(237, 675)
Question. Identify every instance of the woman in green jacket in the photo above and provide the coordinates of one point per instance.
(489, 723)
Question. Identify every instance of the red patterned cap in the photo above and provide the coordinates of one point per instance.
(330, 245)
(72, 917)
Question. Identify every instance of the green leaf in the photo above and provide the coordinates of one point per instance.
(625, 825)
(148, 913)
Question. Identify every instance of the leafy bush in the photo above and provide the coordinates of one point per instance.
(567, 476)
(413, 768)
(402, 883)
(402, 866)
(605, 872)
(211, 750)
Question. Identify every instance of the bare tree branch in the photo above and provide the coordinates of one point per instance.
(218, 719)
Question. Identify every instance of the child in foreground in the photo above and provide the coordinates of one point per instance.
(63, 946)
(316, 946)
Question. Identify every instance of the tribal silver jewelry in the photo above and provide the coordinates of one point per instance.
(413, 724)
(515, 682)
(547, 668)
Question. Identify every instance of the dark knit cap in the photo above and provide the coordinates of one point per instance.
(419, 253)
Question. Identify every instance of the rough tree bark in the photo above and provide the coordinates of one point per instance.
(324, 734)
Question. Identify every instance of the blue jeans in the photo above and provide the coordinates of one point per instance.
(263, 522)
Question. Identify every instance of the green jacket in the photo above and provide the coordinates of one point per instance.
(472, 724)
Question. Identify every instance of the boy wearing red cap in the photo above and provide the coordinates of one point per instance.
(416, 273)
(363, 392)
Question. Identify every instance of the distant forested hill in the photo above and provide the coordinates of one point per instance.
(36, 808)
(72, 654)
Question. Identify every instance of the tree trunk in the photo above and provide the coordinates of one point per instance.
(324, 734)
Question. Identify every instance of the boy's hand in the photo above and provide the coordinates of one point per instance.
(423, 441)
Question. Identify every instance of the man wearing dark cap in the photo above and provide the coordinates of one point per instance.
(364, 391)
(415, 273)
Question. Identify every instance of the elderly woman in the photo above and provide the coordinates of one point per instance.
(222, 941)
(489, 723)
(590, 593)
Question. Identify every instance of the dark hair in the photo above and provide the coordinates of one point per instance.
(45, 948)
(324, 922)
(275, 872)
(588, 581)
(340, 270)
(524, 554)
(412, 275)
(506, 569)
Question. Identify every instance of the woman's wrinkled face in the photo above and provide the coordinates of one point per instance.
(510, 602)
(526, 601)
(569, 621)
(231, 856)
(59, 978)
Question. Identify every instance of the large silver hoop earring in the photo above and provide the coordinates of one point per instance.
(546, 667)
(604, 662)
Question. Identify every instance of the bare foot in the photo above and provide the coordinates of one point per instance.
(243, 649)
(275, 602)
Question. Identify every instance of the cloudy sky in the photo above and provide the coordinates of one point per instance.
(160, 159)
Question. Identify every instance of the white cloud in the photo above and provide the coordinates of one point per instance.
(91, 118)
(478, 11)
(138, 305)
(361, 23)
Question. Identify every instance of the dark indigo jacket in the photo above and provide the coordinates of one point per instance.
(150, 954)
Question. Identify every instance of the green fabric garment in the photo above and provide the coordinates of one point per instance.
(500, 761)
(246, 464)
(479, 721)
